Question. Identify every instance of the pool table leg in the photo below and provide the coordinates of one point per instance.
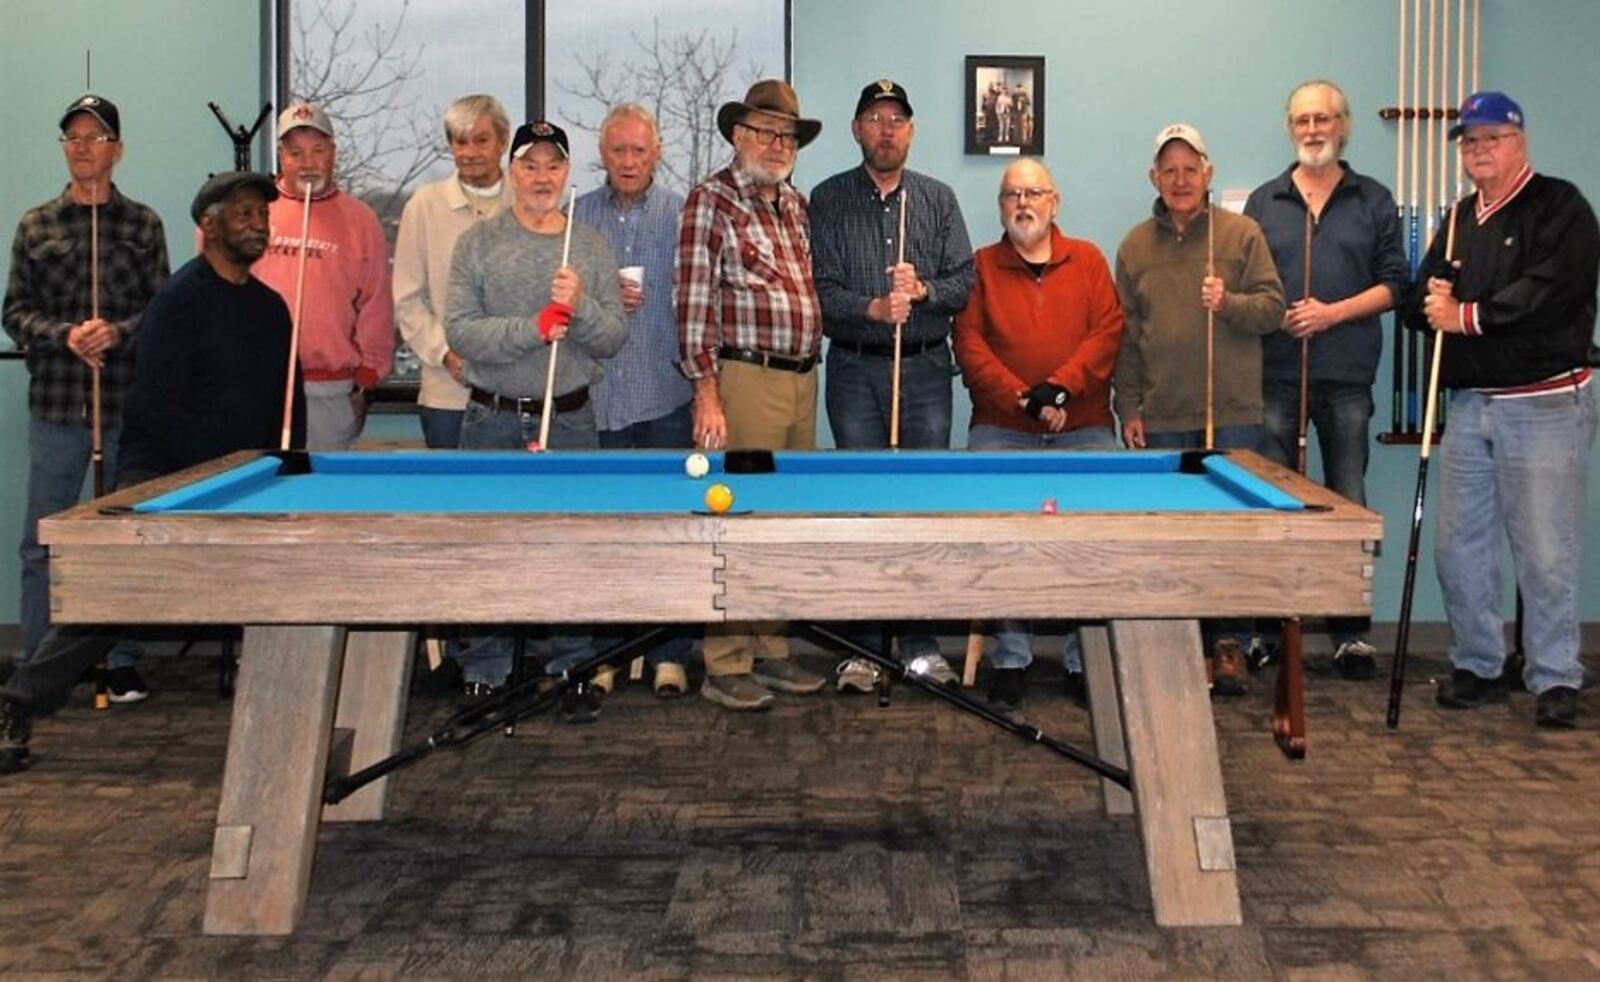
(271, 804)
(1105, 714)
(372, 704)
(1177, 777)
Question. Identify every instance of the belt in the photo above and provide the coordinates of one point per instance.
(887, 350)
(576, 399)
(781, 362)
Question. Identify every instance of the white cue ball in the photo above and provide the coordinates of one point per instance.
(697, 466)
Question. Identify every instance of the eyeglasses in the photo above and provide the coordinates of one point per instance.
(99, 139)
(1015, 196)
(889, 121)
(1306, 120)
(767, 138)
(1486, 141)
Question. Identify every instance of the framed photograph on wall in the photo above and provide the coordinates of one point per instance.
(1005, 105)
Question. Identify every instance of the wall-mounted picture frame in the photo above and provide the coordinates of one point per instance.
(1005, 105)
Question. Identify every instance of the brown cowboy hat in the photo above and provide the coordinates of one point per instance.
(774, 97)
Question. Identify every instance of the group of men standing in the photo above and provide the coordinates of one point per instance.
(699, 321)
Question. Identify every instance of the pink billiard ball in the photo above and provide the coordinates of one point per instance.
(1049, 507)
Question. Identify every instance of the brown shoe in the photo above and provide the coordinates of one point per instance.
(1226, 670)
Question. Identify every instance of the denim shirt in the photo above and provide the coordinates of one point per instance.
(1355, 244)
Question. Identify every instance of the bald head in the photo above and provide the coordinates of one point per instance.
(1028, 205)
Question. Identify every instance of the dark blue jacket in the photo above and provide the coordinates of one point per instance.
(1354, 245)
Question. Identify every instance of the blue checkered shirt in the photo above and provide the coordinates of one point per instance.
(855, 237)
(642, 382)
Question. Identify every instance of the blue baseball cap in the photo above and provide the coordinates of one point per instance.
(1487, 109)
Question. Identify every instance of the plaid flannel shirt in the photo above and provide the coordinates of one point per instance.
(743, 275)
(48, 293)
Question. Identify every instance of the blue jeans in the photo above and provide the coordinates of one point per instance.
(1517, 467)
(441, 428)
(1340, 412)
(1013, 640)
(674, 431)
(859, 397)
(58, 464)
(1249, 437)
(488, 659)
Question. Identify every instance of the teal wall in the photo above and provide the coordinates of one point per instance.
(1115, 73)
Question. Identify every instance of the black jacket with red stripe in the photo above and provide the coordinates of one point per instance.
(1527, 280)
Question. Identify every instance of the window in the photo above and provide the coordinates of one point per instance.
(386, 72)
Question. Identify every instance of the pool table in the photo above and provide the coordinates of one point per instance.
(329, 560)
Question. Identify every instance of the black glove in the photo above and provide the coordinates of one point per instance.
(1045, 395)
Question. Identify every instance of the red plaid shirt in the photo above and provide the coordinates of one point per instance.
(743, 275)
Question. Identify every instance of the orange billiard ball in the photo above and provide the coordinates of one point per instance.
(719, 498)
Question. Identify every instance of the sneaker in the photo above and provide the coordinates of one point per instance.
(16, 726)
(1226, 670)
(1006, 686)
(580, 703)
(671, 681)
(784, 675)
(1465, 690)
(736, 692)
(935, 669)
(1074, 687)
(1557, 708)
(1356, 661)
(123, 685)
(857, 675)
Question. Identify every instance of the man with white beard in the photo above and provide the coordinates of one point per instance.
(1036, 343)
(1358, 271)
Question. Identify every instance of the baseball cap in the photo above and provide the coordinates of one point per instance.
(1181, 131)
(539, 131)
(101, 109)
(882, 89)
(1487, 109)
(219, 186)
(300, 114)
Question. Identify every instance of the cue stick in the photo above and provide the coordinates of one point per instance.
(97, 438)
(1477, 39)
(1397, 363)
(550, 372)
(899, 331)
(1211, 334)
(1461, 85)
(1413, 343)
(1397, 679)
(97, 445)
(294, 327)
(1443, 106)
(97, 452)
(1305, 354)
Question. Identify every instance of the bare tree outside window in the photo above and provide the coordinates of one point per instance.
(369, 82)
(682, 78)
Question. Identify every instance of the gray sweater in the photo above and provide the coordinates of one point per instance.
(499, 281)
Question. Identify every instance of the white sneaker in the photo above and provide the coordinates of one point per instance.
(857, 675)
(933, 668)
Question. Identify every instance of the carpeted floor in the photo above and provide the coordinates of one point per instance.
(827, 839)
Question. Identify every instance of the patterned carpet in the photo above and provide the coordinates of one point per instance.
(827, 839)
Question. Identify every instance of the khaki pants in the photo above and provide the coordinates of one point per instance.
(767, 409)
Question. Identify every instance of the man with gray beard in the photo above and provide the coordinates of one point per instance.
(1357, 272)
(749, 329)
(1036, 343)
